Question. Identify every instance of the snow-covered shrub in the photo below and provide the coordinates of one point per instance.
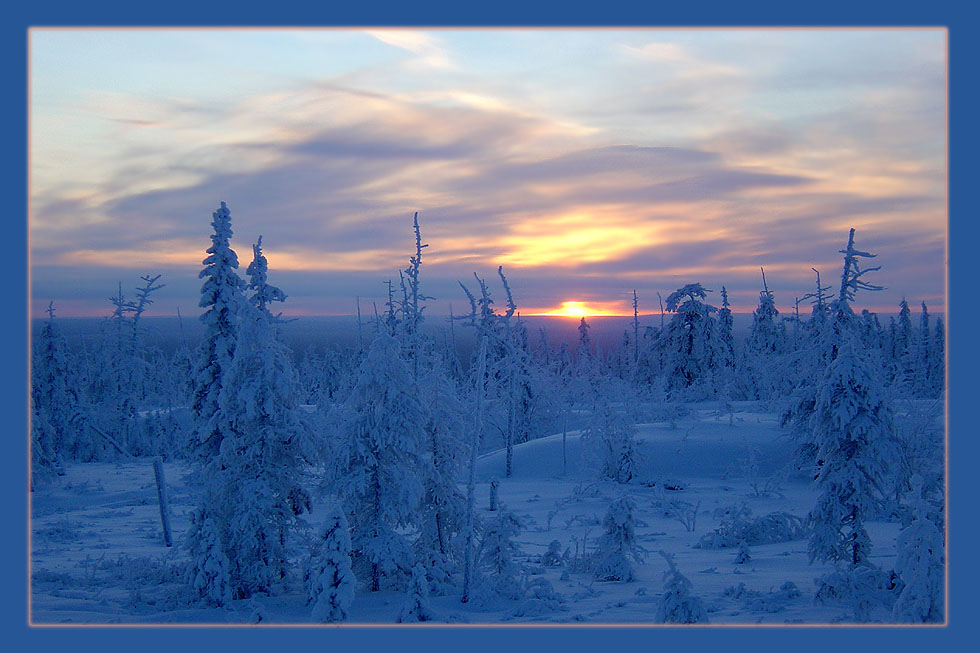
(497, 558)
(553, 556)
(330, 578)
(618, 545)
(738, 525)
(744, 554)
(863, 588)
(440, 572)
(539, 598)
(769, 602)
(677, 605)
(416, 607)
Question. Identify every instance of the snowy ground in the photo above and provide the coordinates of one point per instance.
(97, 553)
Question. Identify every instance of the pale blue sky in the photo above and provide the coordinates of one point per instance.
(587, 162)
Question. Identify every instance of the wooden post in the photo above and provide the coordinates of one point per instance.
(162, 499)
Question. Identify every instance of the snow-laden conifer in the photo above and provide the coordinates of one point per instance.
(376, 461)
(498, 552)
(921, 386)
(54, 401)
(744, 553)
(726, 336)
(221, 296)
(938, 370)
(331, 579)
(259, 462)
(921, 565)
(852, 425)
(678, 605)
(416, 607)
(689, 340)
(618, 548)
(210, 570)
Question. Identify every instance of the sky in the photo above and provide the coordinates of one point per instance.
(587, 163)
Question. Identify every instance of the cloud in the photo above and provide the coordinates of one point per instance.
(429, 53)
(330, 174)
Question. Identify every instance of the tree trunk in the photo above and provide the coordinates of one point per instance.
(471, 485)
(163, 500)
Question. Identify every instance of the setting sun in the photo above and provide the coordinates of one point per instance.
(579, 309)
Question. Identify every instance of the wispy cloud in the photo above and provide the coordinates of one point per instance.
(573, 191)
(429, 52)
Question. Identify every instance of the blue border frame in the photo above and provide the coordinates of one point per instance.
(962, 237)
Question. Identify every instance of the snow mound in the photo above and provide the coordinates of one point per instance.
(705, 446)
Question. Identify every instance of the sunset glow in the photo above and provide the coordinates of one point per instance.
(676, 156)
(581, 309)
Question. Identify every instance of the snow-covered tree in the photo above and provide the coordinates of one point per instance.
(443, 421)
(586, 349)
(209, 570)
(726, 334)
(262, 293)
(921, 564)
(938, 372)
(677, 605)
(469, 532)
(618, 545)
(831, 329)
(497, 557)
(443, 505)
(264, 442)
(904, 353)
(609, 433)
(744, 553)
(416, 607)
(852, 426)
(923, 357)
(766, 341)
(508, 367)
(222, 297)
(54, 400)
(689, 343)
(331, 579)
(766, 337)
(376, 461)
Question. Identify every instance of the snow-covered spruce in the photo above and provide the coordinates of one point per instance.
(416, 607)
(852, 425)
(331, 580)
(263, 448)
(222, 297)
(54, 412)
(689, 341)
(677, 605)
(376, 462)
(618, 545)
(921, 564)
(497, 558)
(209, 571)
(744, 553)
